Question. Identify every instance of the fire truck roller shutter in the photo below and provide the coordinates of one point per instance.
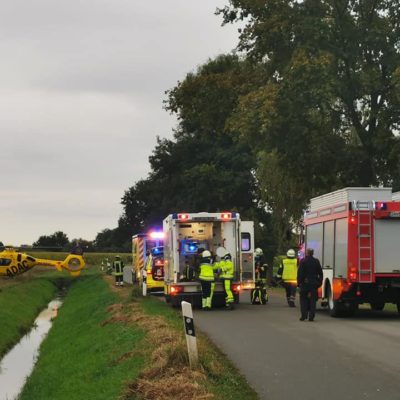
(387, 245)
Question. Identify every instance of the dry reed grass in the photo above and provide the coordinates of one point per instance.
(167, 377)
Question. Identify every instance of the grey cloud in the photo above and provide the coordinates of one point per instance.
(81, 91)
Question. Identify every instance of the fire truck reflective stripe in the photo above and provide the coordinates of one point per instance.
(189, 326)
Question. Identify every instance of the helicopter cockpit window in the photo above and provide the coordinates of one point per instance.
(4, 262)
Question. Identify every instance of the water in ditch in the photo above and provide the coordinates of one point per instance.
(18, 363)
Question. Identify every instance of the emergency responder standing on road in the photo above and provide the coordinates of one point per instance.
(118, 267)
(288, 274)
(227, 270)
(207, 280)
(260, 266)
(309, 279)
(259, 293)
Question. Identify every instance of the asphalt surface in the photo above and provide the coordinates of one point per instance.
(286, 359)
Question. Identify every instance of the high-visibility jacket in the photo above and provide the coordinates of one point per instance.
(206, 272)
(227, 269)
(118, 268)
(288, 270)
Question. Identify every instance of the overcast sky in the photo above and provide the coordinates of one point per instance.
(81, 91)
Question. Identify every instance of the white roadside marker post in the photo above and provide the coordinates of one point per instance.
(144, 283)
(190, 333)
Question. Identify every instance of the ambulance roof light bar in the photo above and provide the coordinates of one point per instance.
(157, 235)
(224, 216)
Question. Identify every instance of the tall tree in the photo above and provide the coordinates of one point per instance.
(329, 114)
(206, 167)
(58, 240)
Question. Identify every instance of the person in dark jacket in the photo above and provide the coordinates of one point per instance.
(309, 279)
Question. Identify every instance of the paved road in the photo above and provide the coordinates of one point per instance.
(285, 359)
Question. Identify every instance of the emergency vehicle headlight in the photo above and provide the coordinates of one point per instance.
(183, 217)
(157, 235)
(226, 215)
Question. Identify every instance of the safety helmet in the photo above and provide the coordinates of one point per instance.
(206, 254)
(117, 257)
(258, 252)
(227, 256)
(291, 253)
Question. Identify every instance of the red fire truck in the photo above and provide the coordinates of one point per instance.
(355, 233)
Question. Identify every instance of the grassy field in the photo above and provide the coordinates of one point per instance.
(83, 357)
(20, 302)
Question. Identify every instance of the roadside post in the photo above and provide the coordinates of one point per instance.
(191, 340)
(144, 282)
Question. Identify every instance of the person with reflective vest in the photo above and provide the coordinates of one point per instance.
(118, 267)
(207, 280)
(227, 273)
(288, 274)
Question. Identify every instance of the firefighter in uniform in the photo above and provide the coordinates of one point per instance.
(259, 293)
(118, 267)
(227, 271)
(309, 279)
(288, 274)
(207, 280)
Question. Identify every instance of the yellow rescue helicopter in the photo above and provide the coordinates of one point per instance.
(13, 263)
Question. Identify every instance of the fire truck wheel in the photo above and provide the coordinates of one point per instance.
(377, 306)
(336, 309)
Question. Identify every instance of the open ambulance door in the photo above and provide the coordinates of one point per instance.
(247, 254)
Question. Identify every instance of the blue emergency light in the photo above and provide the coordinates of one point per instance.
(381, 206)
(193, 247)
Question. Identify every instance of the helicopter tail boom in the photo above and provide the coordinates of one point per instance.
(73, 264)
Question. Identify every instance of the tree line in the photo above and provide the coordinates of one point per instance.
(309, 103)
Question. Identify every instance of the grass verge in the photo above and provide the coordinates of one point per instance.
(19, 306)
(85, 355)
(167, 375)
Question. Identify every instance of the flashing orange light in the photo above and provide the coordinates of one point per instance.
(226, 215)
(175, 290)
(236, 287)
(158, 262)
(183, 217)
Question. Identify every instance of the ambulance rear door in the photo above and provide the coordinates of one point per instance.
(247, 253)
